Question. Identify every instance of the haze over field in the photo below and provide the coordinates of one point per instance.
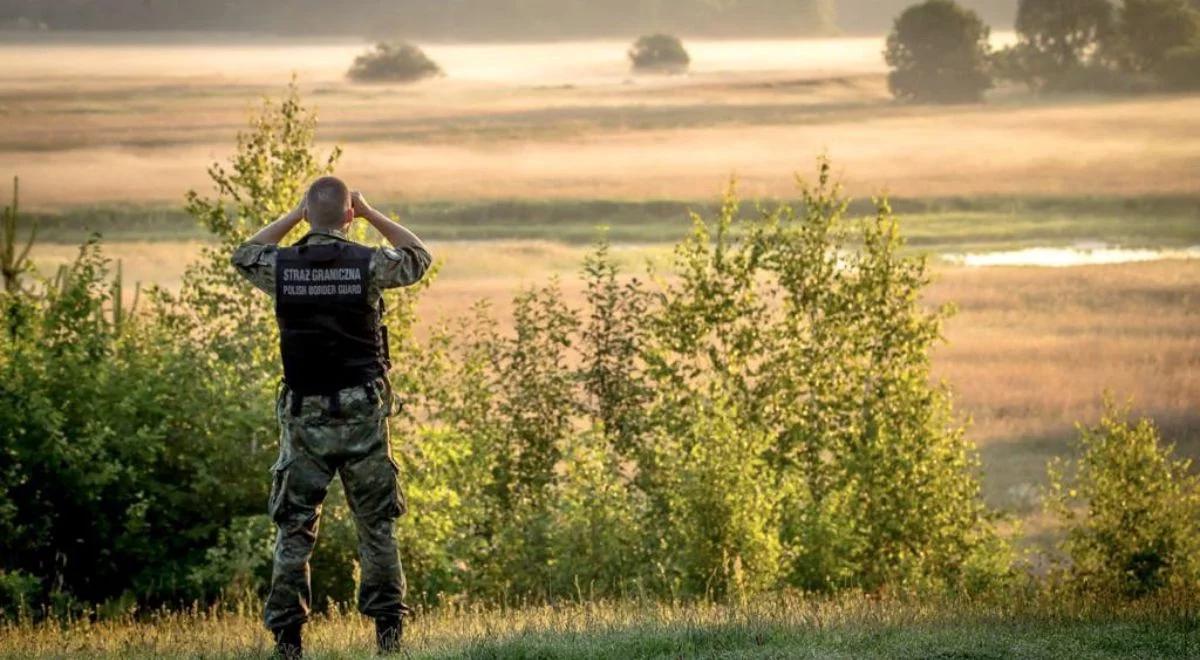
(484, 19)
(131, 121)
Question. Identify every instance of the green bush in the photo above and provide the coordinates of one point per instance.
(939, 52)
(1131, 509)
(389, 62)
(135, 438)
(19, 591)
(659, 53)
(1180, 68)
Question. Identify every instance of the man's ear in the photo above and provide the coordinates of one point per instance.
(346, 221)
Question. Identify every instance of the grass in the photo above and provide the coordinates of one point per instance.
(139, 122)
(773, 627)
(936, 224)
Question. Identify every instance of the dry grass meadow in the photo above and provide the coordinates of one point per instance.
(105, 120)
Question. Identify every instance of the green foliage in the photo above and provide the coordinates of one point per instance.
(659, 53)
(1086, 45)
(239, 563)
(810, 328)
(18, 592)
(1180, 68)
(939, 52)
(1057, 40)
(1149, 29)
(1131, 509)
(117, 474)
(761, 417)
(14, 260)
(136, 440)
(399, 62)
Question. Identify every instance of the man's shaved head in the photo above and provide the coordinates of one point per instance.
(328, 199)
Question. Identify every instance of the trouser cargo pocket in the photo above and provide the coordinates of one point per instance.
(373, 488)
(279, 488)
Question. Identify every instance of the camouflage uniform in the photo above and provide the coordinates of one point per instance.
(316, 443)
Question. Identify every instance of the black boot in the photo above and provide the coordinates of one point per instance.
(388, 631)
(289, 644)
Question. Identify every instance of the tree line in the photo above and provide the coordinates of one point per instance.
(437, 19)
(940, 51)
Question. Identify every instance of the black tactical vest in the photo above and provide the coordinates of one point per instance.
(330, 336)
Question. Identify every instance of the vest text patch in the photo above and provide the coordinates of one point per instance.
(322, 281)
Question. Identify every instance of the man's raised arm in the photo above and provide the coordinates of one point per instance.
(394, 232)
(274, 232)
(255, 259)
(409, 259)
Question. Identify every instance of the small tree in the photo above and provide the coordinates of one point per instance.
(939, 52)
(399, 62)
(14, 259)
(659, 53)
(1130, 508)
(1149, 29)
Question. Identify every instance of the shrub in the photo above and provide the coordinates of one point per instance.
(1131, 509)
(806, 327)
(389, 62)
(19, 592)
(939, 53)
(134, 439)
(1180, 68)
(659, 53)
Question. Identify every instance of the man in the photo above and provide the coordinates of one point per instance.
(335, 401)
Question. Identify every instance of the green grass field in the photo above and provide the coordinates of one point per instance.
(780, 627)
(941, 224)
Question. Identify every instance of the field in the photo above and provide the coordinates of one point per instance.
(510, 164)
(784, 627)
(128, 122)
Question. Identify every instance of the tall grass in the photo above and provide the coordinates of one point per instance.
(1030, 625)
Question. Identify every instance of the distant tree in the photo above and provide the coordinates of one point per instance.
(1067, 32)
(393, 63)
(659, 53)
(1060, 43)
(1148, 29)
(1180, 68)
(939, 52)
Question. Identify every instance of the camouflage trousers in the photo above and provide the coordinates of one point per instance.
(317, 441)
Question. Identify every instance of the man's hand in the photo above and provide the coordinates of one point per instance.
(395, 234)
(360, 205)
